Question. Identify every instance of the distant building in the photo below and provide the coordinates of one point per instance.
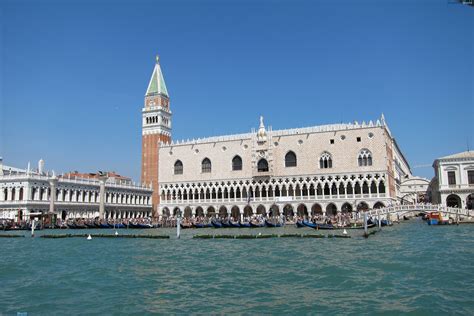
(25, 194)
(312, 170)
(111, 175)
(415, 190)
(453, 184)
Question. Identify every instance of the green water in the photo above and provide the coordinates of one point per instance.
(408, 268)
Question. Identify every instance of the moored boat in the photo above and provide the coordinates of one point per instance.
(256, 223)
(300, 224)
(216, 223)
(309, 224)
(225, 223)
(245, 224)
(234, 224)
(183, 225)
(273, 223)
(324, 226)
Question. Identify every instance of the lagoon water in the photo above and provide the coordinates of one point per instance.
(408, 268)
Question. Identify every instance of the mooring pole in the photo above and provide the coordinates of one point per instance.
(178, 225)
(366, 231)
(33, 228)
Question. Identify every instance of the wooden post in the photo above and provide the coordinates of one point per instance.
(366, 231)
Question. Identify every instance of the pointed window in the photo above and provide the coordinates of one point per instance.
(365, 158)
(237, 163)
(325, 161)
(290, 159)
(178, 167)
(262, 165)
(206, 166)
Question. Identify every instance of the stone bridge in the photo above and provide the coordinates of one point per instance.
(401, 210)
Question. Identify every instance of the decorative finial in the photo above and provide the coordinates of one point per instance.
(157, 59)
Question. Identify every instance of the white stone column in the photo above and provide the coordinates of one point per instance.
(103, 179)
(52, 199)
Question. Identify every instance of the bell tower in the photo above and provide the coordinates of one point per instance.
(156, 128)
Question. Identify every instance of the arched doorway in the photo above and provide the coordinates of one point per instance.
(379, 205)
(288, 211)
(166, 212)
(188, 213)
(223, 212)
(235, 213)
(274, 211)
(248, 212)
(199, 212)
(453, 200)
(346, 208)
(176, 211)
(302, 210)
(470, 202)
(211, 211)
(362, 207)
(316, 209)
(261, 210)
(331, 210)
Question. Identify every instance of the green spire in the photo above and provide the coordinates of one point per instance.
(157, 82)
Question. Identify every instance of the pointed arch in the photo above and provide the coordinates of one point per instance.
(325, 160)
(290, 159)
(262, 165)
(206, 166)
(178, 167)
(236, 163)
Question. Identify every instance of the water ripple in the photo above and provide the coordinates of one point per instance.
(407, 268)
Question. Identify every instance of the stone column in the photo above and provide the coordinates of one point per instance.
(52, 198)
(103, 179)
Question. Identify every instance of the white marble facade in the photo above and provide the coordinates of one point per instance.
(26, 194)
(453, 184)
(322, 169)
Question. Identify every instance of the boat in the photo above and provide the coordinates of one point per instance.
(71, 225)
(80, 225)
(202, 225)
(437, 218)
(119, 225)
(405, 218)
(257, 224)
(300, 224)
(226, 223)
(385, 222)
(324, 226)
(183, 225)
(234, 224)
(245, 224)
(144, 225)
(91, 225)
(104, 225)
(355, 226)
(309, 224)
(216, 224)
(273, 223)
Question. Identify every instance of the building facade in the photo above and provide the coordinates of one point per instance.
(415, 190)
(453, 184)
(321, 169)
(25, 194)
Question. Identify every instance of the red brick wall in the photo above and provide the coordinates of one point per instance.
(150, 144)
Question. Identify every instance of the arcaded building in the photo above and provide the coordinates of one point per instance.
(314, 170)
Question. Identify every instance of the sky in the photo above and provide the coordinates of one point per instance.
(73, 74)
